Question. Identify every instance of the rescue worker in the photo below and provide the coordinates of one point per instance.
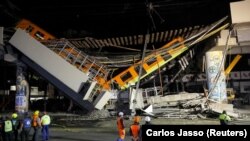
(224, 118)
(25, 126)
(36, 124)
(8, 129)
(14, 115)
(120, 126)
(45, 120)
(147, 120)
(137, 118)
(135, 129)
(15, 123)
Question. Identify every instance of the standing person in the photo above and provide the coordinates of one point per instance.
(1, 128)
(120, 127)
(137, 118)
(15, 123)
(8, 131)
(45, 120)
(135, 129)
(224, 118)
(36, 124)
(25, 126)
(147, 120)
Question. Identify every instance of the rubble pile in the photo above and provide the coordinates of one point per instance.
(99, 114)
(73, 120)
(188, 106)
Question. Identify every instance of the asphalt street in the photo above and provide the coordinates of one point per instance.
(105, 130)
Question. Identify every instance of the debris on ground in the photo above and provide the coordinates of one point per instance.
(188, 106)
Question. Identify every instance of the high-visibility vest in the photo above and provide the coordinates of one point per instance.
(35, 120)
(45, 120)
(135, 129)
(224, 117)
(7, 126)
(120, 124)
(121, 129)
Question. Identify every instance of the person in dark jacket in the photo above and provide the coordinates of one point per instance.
(25, 126)
(15, 124)
(1, 128)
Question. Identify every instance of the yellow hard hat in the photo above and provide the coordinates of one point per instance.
(36, 112)
(14, 115)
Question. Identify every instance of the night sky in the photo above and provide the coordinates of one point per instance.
(110, 18)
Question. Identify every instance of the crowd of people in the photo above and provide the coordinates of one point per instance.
(134, 129)
(18, 126)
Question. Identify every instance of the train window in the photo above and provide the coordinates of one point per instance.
(126, 76)
(39, 35)
(137, 69)
(166, 57)
(29, 29)
(151, 61)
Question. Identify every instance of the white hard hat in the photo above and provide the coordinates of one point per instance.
(147, 118)
(120, 114)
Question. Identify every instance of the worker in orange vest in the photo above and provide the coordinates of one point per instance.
(36, 124)
(135, 128)
(120, 127)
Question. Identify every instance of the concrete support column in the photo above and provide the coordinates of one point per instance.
(1, 35)
(1, 43)
(22, 92)
(215, 75)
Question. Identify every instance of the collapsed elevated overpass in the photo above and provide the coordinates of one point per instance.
(74, 83)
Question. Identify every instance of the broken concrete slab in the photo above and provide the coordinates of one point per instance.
(173, 98)
(194, 102)
(219, 107)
